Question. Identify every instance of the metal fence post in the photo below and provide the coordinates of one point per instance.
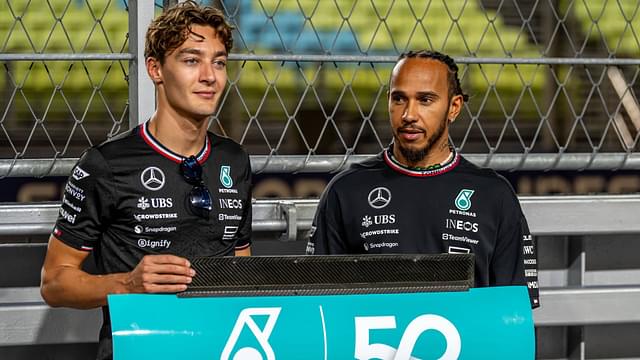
(141, 89)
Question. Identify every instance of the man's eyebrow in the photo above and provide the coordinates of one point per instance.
(427, 94)
(220, 53)
(189, 51)
(194, 51)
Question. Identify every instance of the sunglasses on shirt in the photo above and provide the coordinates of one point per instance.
(200, 200)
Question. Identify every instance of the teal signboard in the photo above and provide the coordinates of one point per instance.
(487, 323)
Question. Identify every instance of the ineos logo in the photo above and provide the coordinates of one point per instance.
(152, 178)
(379, 197)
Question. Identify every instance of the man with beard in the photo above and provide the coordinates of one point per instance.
(420, 196)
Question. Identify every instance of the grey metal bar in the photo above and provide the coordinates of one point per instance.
(36, 167)
(66, 57)
(334, 163)
(141, 88)
(582, 215)
(588, 306)
(334, 58)
(26, 320)
(558, 161)
(546, 215)
(460, 60)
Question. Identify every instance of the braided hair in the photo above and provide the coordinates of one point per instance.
(452, 76)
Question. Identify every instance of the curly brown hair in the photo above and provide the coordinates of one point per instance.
(169, 30)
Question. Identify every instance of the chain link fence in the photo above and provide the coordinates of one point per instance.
(553, 83)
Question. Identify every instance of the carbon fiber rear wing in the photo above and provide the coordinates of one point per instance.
(330, 275)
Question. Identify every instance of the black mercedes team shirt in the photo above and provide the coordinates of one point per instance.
(381, 207)
(126, 198)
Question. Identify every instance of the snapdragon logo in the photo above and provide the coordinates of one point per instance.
(365, 349)
(262, 335)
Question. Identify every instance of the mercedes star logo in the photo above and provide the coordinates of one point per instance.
(379, 197)
(152, 178)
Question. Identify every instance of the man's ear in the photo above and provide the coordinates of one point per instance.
(154, 70)
(455, 106)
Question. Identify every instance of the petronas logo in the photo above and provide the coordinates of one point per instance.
(225, 176)
(463, 200)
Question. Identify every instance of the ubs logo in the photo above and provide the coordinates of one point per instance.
(379, 197)
(152, 178)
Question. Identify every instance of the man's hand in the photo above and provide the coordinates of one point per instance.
(160, 274)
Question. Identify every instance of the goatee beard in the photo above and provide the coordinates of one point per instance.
(414, 156)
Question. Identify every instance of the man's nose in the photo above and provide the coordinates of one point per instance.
(410, 113)
(207, 73)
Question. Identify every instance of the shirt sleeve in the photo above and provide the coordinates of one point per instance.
(86, 202)
(243, 235)
(326, 236)
(514, 260)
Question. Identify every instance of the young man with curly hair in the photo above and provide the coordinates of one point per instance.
(146, 201)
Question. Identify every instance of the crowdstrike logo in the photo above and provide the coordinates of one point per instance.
(160, 216)
(152, 178)
(379, 197)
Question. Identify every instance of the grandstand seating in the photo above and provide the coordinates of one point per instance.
(63, 27)
(383, 27)
(618, 24)
(386, 27)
